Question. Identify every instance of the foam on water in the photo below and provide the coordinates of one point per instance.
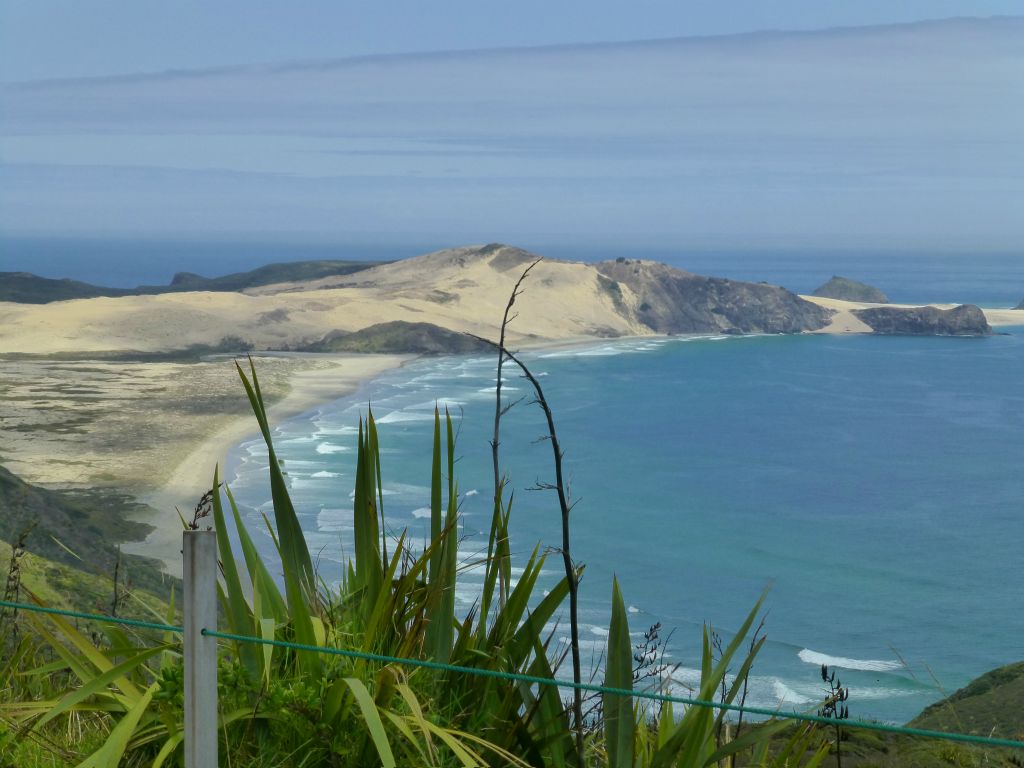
(867, 665)
(786, 695)
(399, 417)
(330, 448)
(334, 520)
(333, 431)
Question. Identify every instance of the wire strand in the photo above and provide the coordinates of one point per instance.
(965, 738)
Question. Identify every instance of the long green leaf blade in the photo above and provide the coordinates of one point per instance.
(618, 710)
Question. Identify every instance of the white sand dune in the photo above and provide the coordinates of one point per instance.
(455, 289)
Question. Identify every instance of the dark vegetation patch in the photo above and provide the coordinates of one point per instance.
(845, 289)
(441, 297)
(612, 289)
(190, 354)
(274, 316)
(88, 523)
(507, 257)
(400, 337)
(26, 288)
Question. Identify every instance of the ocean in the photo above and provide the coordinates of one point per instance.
(872, 484)
(992, 279)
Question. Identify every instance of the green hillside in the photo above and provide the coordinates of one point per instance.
(80, 529)
(26, 288)
(401, 337)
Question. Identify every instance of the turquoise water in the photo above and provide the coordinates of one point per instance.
(873, 483)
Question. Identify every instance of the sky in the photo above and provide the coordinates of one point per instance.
(70, 38)
(319, 122)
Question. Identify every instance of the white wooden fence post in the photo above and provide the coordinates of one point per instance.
(200, 575)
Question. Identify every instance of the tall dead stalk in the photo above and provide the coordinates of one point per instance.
(500, 410)
(572, 573)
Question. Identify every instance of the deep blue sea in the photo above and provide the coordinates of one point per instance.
(874, 484)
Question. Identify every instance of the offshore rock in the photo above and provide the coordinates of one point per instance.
(964, 320)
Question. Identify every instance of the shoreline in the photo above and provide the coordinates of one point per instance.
(191, 477)
(340, 375)
(844, 321)
(308, 389)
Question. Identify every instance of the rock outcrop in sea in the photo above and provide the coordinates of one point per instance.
(850, 290)
(964, 320)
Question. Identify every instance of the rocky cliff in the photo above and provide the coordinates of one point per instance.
(669, 300)
(965, 320)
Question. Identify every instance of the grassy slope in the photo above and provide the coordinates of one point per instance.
(25, 288)
(991, 705)
(58, 585)
(85, 523)
(401, 337)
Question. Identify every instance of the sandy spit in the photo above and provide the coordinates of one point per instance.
(844, 321)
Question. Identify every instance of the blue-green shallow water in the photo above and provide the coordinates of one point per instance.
(874, 483)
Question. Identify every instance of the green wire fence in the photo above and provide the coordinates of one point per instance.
(532, 679)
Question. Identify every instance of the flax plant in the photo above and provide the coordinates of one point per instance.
(288, 706)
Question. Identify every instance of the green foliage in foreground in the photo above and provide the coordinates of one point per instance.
(117, 699)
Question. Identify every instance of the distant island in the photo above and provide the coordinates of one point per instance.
(850, 290)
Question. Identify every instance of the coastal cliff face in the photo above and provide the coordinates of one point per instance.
(850, 290)
(965, 320)
(669, 300)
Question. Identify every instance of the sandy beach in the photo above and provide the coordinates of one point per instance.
(154, 430)
(333, 377)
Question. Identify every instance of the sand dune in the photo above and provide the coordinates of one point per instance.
(457, 289)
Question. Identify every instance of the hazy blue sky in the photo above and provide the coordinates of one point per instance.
(71, 38)
(905, 136)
